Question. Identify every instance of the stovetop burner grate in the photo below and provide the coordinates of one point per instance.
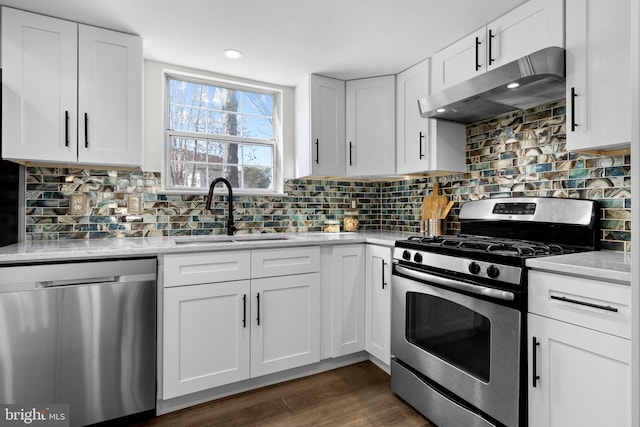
(492, 245)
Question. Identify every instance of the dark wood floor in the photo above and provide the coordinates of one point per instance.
(356, 395)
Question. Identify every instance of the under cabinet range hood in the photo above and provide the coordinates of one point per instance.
(532, 80)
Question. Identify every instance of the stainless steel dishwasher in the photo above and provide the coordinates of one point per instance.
(81, 334)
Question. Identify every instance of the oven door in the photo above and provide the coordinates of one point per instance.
(467, 345)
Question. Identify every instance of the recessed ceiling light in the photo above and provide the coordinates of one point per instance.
(513, 85)
(233, 53)
(440, 110)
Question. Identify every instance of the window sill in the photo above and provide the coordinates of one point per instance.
(220, 191)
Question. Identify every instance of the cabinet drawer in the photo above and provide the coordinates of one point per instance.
(285, 261)
(211, 267)
(595, 304)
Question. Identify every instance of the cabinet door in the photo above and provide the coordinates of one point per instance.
(510, 36)
(424, 145)
(109, 98)
(460, 61)
(583, 376)
(327, 126)
(598, 50)
(378, 302)
(39, 92)
(370, 126)
(348, 305)
(285, 324)
(412, 130)
(206, 336)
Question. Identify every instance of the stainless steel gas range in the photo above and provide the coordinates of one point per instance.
(458, 307)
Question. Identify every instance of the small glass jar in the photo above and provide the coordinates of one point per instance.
(351, 220)
(331, 226)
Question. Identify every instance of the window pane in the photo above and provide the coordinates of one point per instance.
(181, 149)
(223, 123)
(257, 127)
(257, 155)
(258, 177)
(181, 173)
(205, 110)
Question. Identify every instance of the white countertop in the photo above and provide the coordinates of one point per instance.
(606, 265)
(70, 250)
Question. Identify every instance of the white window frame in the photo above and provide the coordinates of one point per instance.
(277, 115)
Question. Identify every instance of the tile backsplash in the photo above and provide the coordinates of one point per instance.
(517, 154)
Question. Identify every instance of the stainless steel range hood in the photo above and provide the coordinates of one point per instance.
(541, 79)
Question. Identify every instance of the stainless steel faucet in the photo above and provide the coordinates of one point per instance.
(230, 227)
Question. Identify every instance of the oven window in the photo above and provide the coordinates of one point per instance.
(451, 332)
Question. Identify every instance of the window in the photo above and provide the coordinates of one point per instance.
(220, 130)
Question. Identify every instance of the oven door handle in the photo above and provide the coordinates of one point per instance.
(455, 284)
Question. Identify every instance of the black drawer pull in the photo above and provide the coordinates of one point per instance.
(588, 304)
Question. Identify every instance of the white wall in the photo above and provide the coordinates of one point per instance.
(154, 110)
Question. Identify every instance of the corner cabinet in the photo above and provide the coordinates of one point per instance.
(320, 127)
(424, 145)
(598, 50)
(535, 25)
(71, 94)
(378, 303)
(579, 351)
(230, 316)
(347, 299)
(370, 126)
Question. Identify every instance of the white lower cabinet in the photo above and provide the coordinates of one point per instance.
(206, 336)
(347, 299)
(584, 376)
(219, 333)
(285, 324)
(579, 351)
(378, 303)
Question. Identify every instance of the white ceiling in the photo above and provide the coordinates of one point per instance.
(283, 40)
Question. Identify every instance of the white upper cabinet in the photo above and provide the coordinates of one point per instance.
(424, 145)
(39, 87)
(59, 76)
(370, 126)
(533, 26)
(109, 97)
(598, 74)
(320, 127)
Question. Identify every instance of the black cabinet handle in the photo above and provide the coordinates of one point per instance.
(534, 349)
(588, 304)
(350, 153)
(66, 128)
(420, 144)
(573, 109)
(478, 43)
(244, 310)
(383, 282)
(258, 298)
(491, 60)
(317, 151)
(86, 130)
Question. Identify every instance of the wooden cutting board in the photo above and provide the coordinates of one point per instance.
(434, 204)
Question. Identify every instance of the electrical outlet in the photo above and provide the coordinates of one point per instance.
(134, 205)
(78, 204)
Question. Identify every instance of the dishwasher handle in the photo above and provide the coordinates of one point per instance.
(95, 280)
(74, 282)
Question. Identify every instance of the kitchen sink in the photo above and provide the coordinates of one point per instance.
(227, 239)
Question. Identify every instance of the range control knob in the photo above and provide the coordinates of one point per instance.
(474, 268)
(406, 255)
(493, 271)
(417, 257)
